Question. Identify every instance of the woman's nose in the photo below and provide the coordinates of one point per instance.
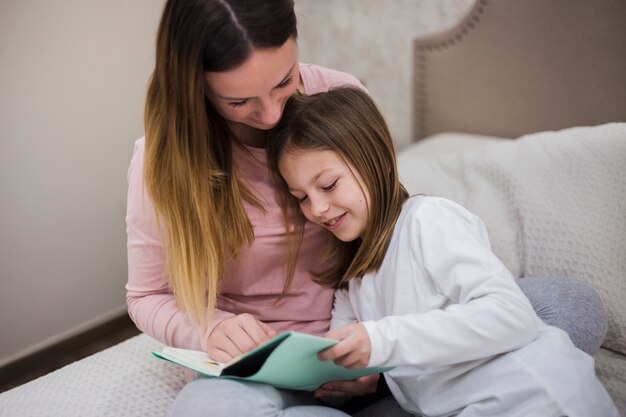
(271, 112)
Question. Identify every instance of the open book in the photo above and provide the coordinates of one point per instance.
(289, 360)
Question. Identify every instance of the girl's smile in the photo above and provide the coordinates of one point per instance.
(335, 223)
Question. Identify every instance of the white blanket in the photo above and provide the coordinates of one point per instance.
(122, 381)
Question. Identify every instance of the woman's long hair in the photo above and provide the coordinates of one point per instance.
(189, 173)
(347, 122)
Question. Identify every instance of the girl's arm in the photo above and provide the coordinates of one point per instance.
(343, 313)
(470, 308)
(484, 312)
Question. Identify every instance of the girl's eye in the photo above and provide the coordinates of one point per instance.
(301, 200)
(330, 187)
(237, 103)
(285, 83)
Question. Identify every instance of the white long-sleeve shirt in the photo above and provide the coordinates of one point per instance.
(445, 311)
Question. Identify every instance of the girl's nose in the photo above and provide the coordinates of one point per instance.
(319, 206)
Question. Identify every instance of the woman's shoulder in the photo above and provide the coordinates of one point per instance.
(139, 149)
(318, 79)
(136, 162)
(140, 145)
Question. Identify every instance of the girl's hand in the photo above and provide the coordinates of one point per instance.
(354, 347)
(237, 335)
(361, 386)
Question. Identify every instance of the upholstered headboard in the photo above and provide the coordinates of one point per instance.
(513, 67)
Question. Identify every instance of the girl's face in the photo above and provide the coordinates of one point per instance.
(330, 192)
(254, 94)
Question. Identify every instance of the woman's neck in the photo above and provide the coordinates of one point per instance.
(248, 135)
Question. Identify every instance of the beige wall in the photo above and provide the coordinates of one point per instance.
(72, 80)
(372, 40)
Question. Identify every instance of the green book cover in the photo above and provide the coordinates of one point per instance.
(289, 361)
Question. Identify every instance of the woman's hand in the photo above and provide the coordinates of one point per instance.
(354, 347)
(237, 335)
(361, 386)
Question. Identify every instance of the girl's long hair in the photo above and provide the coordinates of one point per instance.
(347, 122)
(189, 172)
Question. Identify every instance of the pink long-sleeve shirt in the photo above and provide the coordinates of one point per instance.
(252, 283)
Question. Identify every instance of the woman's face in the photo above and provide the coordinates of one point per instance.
(254, 94)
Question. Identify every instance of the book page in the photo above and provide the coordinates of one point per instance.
(196, 360)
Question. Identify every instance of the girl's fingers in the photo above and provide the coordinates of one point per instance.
(332, 353)
(353, 360)
(353, 349)
(341, 349)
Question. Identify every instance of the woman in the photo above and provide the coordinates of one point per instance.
(207, 253)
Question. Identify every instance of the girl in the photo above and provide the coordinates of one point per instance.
(419, 287)
(206, 242)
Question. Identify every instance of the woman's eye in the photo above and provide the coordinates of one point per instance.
(285, 83)
(330, 187)
(301, 200)
(237, 103)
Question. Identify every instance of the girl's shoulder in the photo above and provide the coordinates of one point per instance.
(318, 79)
(426, 204)
(427, 211)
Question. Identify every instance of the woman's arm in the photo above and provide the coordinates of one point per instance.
(151, 304)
